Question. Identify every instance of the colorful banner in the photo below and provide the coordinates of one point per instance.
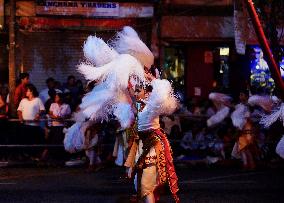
(84, 8)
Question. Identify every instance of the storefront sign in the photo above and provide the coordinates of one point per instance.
(84, 8)
(128, 10)
(43, 23)
(1, 14)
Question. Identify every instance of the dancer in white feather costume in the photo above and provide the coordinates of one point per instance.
(151, 158)
(245, 145)
(268, 120)
(112, 68)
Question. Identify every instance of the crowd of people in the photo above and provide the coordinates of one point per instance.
(193, 139)
(232, 129)
(116, 118)
(42, 115)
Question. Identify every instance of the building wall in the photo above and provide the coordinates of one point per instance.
(54, 54)
(199, 74)
(50, 45)
(50, 54)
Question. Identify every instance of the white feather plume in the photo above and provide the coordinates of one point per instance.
(265, 102)
(100, 102)
(278, 113)
(124, 114)
(112, 69)
(128, 42)
(218, 117)
(161, 100)
(92, 73)
(116, 73)
(240, 115)
(98, 95)
(220, 97)
(129, 31)
(98, 52)
(74, 138)
(280, 148)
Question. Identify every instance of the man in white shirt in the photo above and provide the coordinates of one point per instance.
(29, 112)
(31, 107)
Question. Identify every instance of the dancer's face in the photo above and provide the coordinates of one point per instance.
(139, 93)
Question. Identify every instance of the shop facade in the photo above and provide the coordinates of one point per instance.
(50, 34)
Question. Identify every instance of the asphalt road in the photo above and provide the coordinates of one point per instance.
(197, 184)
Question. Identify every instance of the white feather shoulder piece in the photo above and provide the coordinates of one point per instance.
(218, 117)
(219, 97)
(124, 114)
(276, 114)
(265, 102)
(240, 115)
(162, 100)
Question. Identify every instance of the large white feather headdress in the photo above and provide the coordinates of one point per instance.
(112, 68)
(128, 42)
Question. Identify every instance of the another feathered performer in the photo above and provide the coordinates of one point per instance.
(151, 158)
(268, 120)
(246, 142)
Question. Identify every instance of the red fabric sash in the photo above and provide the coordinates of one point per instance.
(171, 173)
